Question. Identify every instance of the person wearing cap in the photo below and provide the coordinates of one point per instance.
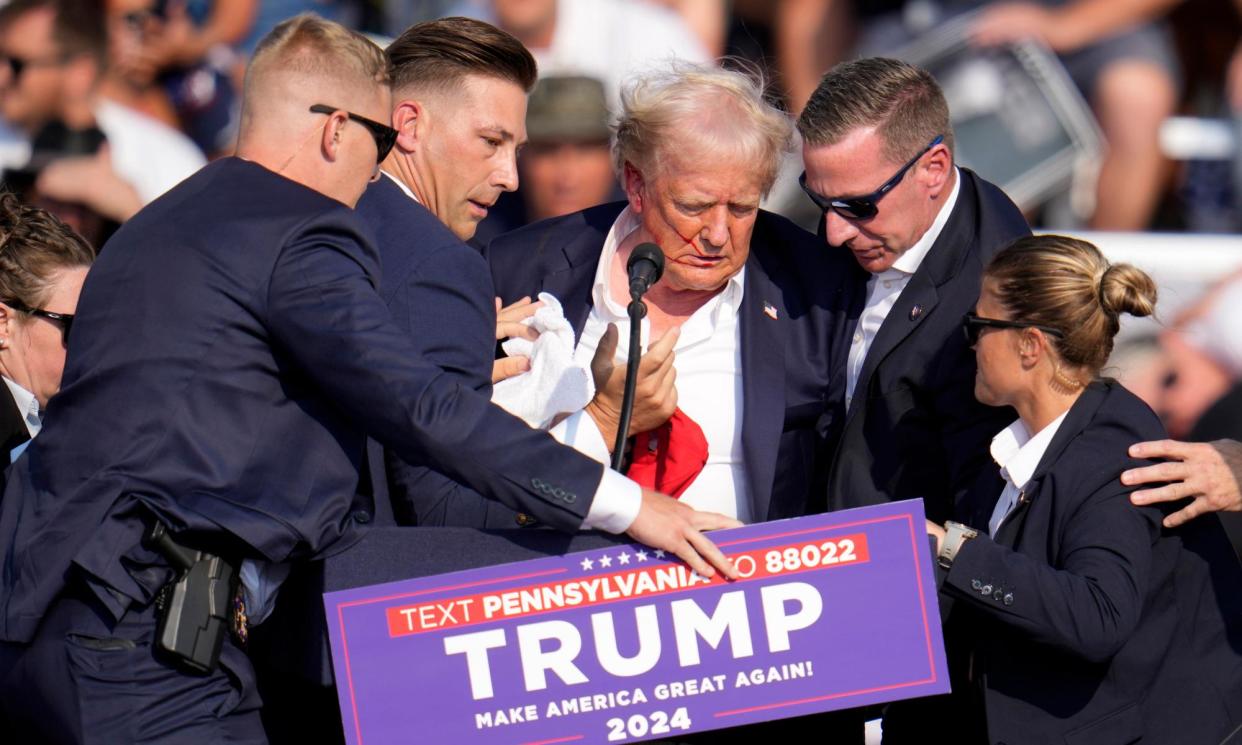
(566, 165)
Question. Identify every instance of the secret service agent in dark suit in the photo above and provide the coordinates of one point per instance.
(913, 427)
(439, 290)
(786, 318)
(1082, 621)
(878, 151)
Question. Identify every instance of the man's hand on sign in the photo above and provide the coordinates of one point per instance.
(665, 523)
(655, 393)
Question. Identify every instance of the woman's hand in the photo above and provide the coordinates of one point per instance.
(934, 529)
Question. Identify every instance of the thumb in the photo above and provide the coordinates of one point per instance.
(607, 349)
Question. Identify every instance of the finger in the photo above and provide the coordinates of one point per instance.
(664, 345)
(713, 521)
(1162, 449)
(515, 330)
(1170, 471)
(507, 367)
(1187, 513)
(714, 555)
(1170, 493)
(685, 551)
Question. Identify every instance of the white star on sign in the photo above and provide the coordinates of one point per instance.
(642, 555)
(659, 553)
(587, 564)
(605, 561)
(624, 558)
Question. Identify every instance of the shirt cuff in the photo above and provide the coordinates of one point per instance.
(616, 504)
(617, 500)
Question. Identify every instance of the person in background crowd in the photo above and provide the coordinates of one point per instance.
(566, 165)
(120, 160)
(42, 266)
(231, 355)
(878, 151)
(1074, 614)
(611, 40)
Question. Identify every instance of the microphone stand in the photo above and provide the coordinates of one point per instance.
(637, 310)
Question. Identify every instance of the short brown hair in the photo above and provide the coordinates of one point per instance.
(34, 246)
(903, 102)
(1067, 284)
(436, 55)
(79, 27)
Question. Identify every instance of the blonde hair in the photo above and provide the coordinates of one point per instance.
(1067, 284)
(662, 106)
(34, 247)
(309, 46)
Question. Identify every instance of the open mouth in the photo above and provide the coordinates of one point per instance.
(479, 208)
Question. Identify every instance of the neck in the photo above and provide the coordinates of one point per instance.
(401, 167)
(79, 112)
(1037, 409)
(667, 306)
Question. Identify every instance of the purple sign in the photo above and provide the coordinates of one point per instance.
(625, 644)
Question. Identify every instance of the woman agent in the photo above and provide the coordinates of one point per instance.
(42, 266)
(1075, 618)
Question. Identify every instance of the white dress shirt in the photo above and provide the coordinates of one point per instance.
(885, 288)
(1018, 453)
(708, 360)
(32, 417)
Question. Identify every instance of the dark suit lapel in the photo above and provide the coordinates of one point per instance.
(919, 299)
(578, 261)
(1079, 416)
(763, 322)
(13, 430)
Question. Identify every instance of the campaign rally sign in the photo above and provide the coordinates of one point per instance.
(625, 643)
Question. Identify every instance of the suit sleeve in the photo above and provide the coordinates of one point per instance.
(1090, 603)
(445, 303)
(323, 309)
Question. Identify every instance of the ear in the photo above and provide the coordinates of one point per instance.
(330, 140)
(409, 118)
(635, 185)
(1032, 347)
(7, 319)
(935, 169)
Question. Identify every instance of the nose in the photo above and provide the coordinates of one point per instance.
(838, 229)
(506, 176)
(715, 230)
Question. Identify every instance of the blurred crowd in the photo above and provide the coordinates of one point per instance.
(106, 104)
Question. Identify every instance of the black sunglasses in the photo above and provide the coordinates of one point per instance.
(385, 136)
(863, 207)
(18, 65)
(63, 320)
(973, 325)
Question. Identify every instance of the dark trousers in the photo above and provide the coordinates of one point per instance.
(88, 678)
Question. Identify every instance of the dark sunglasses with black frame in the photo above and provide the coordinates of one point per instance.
(63, 320)
(973, 325)
(863, 207)
(385, 136)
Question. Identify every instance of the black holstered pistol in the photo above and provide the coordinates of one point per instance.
(194, 608)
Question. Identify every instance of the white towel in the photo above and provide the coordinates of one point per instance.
(556, 383)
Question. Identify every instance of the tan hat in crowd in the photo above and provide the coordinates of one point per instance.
(569, 108)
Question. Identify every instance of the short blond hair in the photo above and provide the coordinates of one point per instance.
(1067, 284)
(725, 110)
(312, 47)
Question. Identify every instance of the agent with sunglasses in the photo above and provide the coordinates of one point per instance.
(42, 266)
(878, 151)
(1073, 616)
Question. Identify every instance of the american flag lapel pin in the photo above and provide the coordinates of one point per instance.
(769, 310)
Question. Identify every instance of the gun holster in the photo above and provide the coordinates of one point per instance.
(194, 608)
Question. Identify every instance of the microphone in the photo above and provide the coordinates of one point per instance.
(645, 267)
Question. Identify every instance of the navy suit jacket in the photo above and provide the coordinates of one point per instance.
(785, 360)
(439, 291)
(230, 355)
(914, 428)
(1083, 621)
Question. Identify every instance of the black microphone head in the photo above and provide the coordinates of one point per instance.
(647, 252)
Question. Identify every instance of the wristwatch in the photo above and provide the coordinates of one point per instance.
(955, 534)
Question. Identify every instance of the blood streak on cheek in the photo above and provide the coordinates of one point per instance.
(688, 241)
